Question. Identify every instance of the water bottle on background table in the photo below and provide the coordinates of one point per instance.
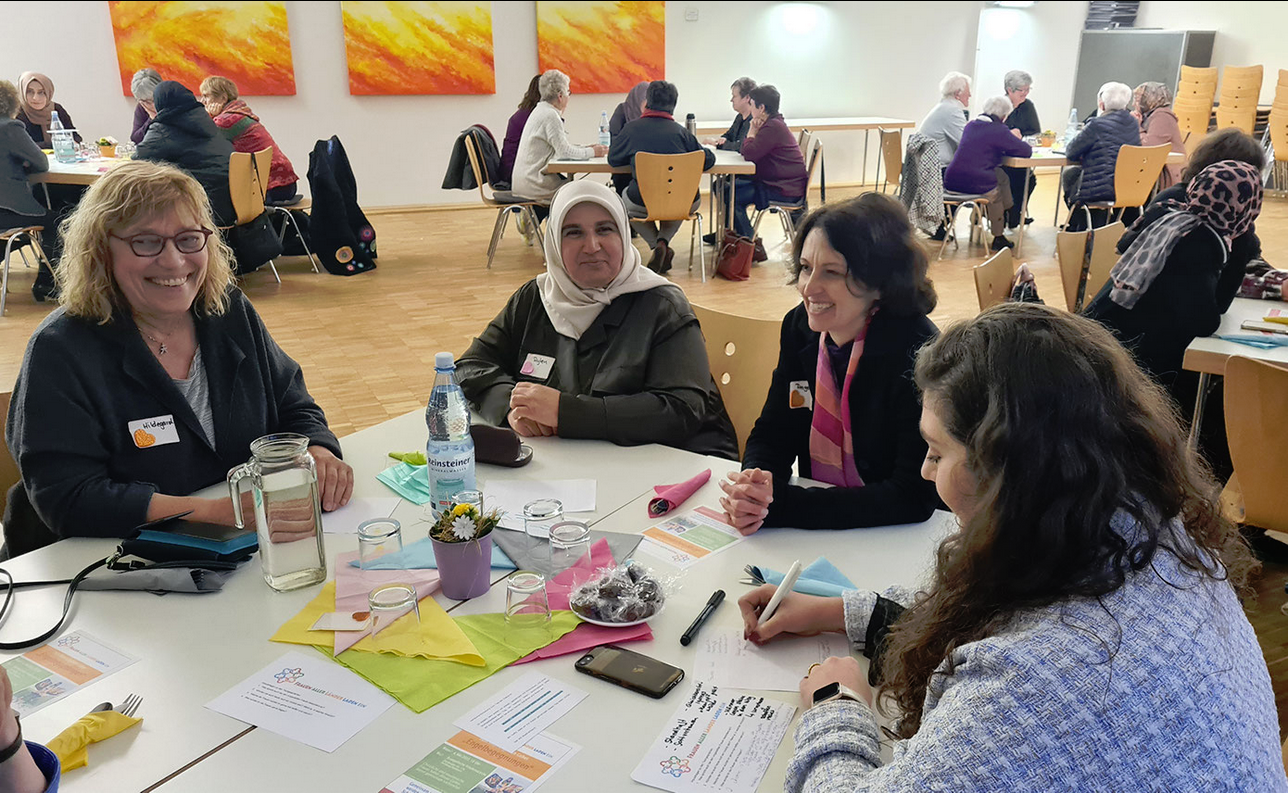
(63, 142)
(1071, 129)
(605, 137)
(450, 448)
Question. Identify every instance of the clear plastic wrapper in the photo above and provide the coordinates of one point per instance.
(626, 593)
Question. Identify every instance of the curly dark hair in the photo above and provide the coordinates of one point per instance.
(533, 95)
(9, 100)
(881, 252)
(1225, 144)
(1062, 431)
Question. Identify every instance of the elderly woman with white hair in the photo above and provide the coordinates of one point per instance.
(946, 120)
(976, 168)
(1096, 149)
(544, 139)
(597, 346)
(143, 86)
(1023, 121)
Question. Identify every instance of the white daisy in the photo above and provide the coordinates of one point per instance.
(464, 528)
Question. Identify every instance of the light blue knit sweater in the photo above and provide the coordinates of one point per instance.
(1163, 688)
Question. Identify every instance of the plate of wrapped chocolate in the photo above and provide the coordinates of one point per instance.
(622, 596)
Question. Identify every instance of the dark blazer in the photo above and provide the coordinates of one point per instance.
(1024, 118)
(189, 139)
(984, 143)
(657, 135)
(81, 385)
(736, 134)
(1096, 149)
(639, 373)
(19, 156)
(885, 410)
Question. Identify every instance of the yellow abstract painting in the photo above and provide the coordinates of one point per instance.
(247, 42)
(605, 47)
(419, 48)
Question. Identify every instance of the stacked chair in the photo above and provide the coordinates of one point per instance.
(1240, 90)
(1278, 133)
(1195, 94)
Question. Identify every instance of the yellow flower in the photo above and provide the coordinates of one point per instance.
(460, 509)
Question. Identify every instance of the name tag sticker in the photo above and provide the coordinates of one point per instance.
(799, 396)
(537, 366)
(159, 431)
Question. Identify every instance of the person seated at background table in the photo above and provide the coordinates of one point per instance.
(740, 99)
(597, 346)
(1082, 629)
(628, 110)
(151, 329)
(20, 157)
(1093, 153)
(656, 132)
(544, 139)
(977, 165)
(31, 768)
(143, 85)
(38, 107)
(183, 134)
(514, 130)
(781, 175)
(946, 121)
(841, 403)
(1158, 125)
(1023, 120)
(248, 134)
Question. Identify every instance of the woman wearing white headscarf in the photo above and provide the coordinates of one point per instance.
(597, 346)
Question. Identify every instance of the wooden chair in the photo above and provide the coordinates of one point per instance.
(741, 354)
(785, 209)
(1240, 92)
(17, 239)
(1135, 173)
(1256, 400)
(1277, 128)
(668, 184)
(1193, 119)
(892, 156)
(1083, 272)
(504, 202)
(247, 182)
(1197, 83)
(803, 140)
(993, 279)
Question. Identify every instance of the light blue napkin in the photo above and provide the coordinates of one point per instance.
(820, 578)
(1256, 340)
(420, 556)
(409, 481)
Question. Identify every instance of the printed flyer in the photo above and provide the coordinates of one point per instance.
(469, 764)
(54, 670)
(684, 540)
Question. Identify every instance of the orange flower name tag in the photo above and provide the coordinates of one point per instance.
(799, 396)
(159, 431)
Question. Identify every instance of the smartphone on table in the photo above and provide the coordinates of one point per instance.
(630, 669)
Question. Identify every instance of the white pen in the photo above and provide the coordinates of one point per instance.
(789, 581)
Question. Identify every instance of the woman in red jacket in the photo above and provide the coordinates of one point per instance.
(243, 128)
(780, 167)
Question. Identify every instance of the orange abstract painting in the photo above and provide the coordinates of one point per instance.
(246, 42)
(605, 47)
(419, 48)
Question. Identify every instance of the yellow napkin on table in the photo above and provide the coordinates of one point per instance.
(438, 637)
(420, 683)
(71, 744)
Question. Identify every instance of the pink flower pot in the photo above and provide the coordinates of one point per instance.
(464, 568)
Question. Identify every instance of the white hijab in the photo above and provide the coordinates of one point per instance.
(572, 309)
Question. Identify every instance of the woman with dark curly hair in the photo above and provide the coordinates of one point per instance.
(1082, 629)
(841, 404)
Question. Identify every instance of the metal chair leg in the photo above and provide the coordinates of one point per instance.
(4, 285)
(307, 250)
(536, 228)
(755, 223)
(785, 217)
(272, 265)
(951, 231)
(702, 253)
(692, 231)
(497, 228)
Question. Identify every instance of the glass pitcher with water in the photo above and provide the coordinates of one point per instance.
(288, 511)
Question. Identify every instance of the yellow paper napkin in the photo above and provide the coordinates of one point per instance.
(439, 636)
(71, 744)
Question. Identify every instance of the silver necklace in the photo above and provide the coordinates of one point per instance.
(162, 349)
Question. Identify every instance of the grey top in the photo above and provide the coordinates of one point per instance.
(1159, 685)
(944, 124)
(196, 392)
(19, 156)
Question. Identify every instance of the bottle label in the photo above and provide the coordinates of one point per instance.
(449, 474)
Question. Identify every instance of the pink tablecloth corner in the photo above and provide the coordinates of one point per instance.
(352, 588)
(585, 635)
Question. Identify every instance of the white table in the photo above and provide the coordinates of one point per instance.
(1208, 355)
(82, 173)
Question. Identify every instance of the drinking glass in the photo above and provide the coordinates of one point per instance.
(540, 515)
(388, 604)
(474, 498)
(569, 543)
(526, 604)
(377, 538)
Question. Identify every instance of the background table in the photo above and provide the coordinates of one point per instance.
(82, 173)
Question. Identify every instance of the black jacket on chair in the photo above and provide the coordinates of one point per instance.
(188, 139)
(460, 176)
(885, 412)
(339, 233)
(1096, 149)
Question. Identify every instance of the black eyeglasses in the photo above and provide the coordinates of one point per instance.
(191, 241)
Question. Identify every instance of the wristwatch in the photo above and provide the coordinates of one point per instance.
(12, 749)
(835, 690)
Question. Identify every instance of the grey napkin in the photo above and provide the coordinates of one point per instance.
(529, 553)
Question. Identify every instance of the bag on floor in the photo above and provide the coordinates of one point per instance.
(254, 244)
(734, 260)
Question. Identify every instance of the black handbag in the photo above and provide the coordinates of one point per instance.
(254, 244)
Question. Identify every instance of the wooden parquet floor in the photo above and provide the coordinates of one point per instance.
(367, 343)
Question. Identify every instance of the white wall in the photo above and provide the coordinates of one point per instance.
(860, 58)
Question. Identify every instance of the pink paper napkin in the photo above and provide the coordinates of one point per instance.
(352, 589)
(585, 635)
(671, 496)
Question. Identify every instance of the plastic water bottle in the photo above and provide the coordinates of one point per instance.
(64, 145)
(450, 448)
(1071, 129)
(605, 137)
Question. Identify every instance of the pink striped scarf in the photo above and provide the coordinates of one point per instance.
(831, 446)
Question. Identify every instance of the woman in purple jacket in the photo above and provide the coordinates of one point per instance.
(514, 131)
(977, 166)
(780, 167)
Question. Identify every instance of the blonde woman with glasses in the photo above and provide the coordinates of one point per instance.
(153, 377)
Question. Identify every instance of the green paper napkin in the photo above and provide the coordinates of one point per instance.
(409, 481)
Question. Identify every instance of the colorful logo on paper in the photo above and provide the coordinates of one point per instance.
(675, 766)
(68, 641)
(289, 675)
